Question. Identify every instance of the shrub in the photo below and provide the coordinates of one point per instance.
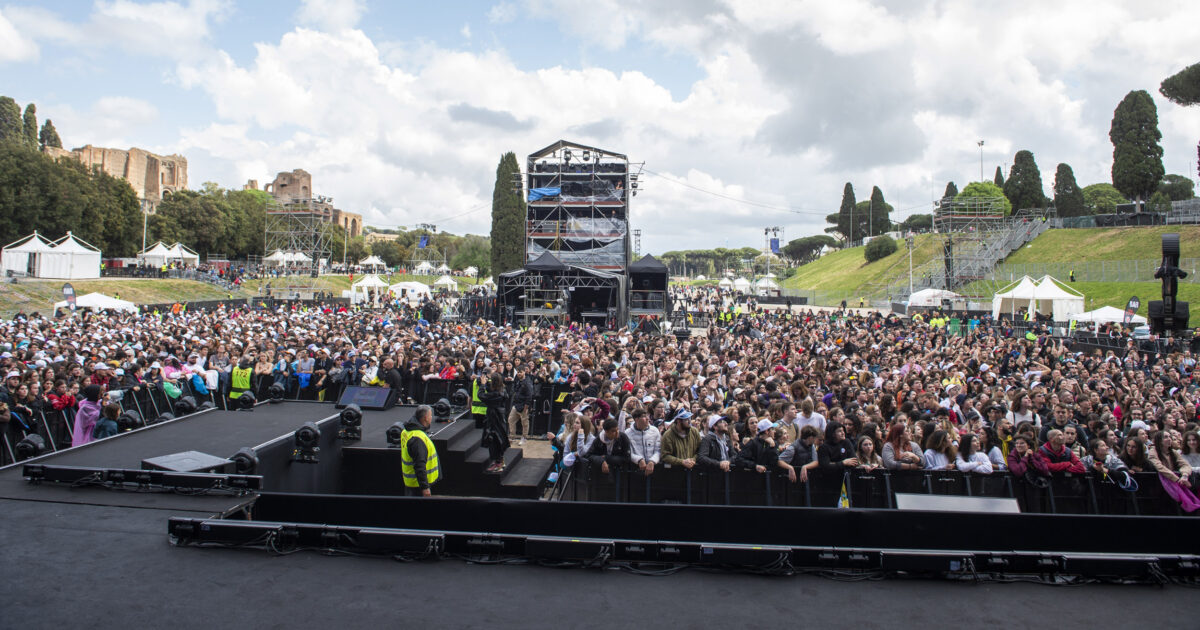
(879, 247)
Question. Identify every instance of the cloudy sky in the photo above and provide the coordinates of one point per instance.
(747, 114)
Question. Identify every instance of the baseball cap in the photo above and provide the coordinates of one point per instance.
(764, 424)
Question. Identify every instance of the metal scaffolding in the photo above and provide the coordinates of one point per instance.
(300, 231)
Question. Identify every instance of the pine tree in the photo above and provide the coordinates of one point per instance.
(1137, 157)
(999, 179)
(508, 218)
(845, 215)
(1068, 196)
(30, 127)
(951, 191)
(48, 136)
(10, 121)
(1024, 186)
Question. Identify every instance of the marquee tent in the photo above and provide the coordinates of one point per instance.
(373, 262)
(445, 281)
(423, 269)
(100, 302)
(69, 259)
(931, 297)
(471, 271)
(410, 291)
(156, 255)
(21, 256)
(1106, 314)
(725, 283)
(741, 284)
(183, 254)
(1061, 302)
(1014, 297)
(443, 268)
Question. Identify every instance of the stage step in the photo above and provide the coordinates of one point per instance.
(444, 435)
(480, 457)
(527, 473)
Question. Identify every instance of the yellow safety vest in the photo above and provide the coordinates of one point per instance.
(406, 463)
(239, 382)
(477, 406)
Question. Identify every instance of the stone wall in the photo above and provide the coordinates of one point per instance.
(151, 175)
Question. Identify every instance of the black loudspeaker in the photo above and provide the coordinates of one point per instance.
(372, 398)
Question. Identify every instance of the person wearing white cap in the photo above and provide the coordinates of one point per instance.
(715, 448)
(759, 454)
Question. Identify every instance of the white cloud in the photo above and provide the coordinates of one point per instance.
(109, 121)
(502, 13)
(16, 47)
(332, 15)
(465, 31)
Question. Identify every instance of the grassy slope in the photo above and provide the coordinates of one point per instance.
(339, 283)
(1131, 243)
(846, 270)
(40, 295)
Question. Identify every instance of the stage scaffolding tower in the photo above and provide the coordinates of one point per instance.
(299, 232)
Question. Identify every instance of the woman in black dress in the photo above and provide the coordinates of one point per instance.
(495, 425)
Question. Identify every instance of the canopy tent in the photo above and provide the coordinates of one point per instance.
(931, 297)
(423, 268)
(372, 261)
(1106, 314)
(100, 302)
(701, 277)
(298, 257)
(489, 282)
(1062, 303)
(443, 268)
(277, 257)
(410, 291)
(445, 281)
(764, 286)
(184, 255)
(369, 288)
(770, 275)
(741, 284)
(69, 259)
(546, 262)
(725, 283)
(471, 271)
(1014, 297)
(155, 255)
(21, 256)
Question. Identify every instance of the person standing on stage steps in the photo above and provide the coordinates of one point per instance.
(419, 459)
(495, 425)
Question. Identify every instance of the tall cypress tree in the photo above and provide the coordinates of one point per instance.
(48, 136)
(1137, 157)
(999, 178)
(951, 191)
(1024, 186)
(881, 211)
(508, 218)
(30, 126)
(11, 127)
(842, 221)
(1068, 196)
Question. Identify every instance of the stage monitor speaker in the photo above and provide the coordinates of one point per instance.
(190, 462)
(944, 503)
(368, 398)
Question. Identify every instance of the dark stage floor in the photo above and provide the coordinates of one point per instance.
(81, 566)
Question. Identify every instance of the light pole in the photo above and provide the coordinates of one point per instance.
(980, 143)
(147, 206)
(910, 241)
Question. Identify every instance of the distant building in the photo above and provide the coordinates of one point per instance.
(295, 188)
(152, 176)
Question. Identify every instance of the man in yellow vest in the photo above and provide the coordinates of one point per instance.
(478, 409)
(418, 457)
(239, 379)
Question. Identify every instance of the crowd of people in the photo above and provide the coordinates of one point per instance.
(788, 390)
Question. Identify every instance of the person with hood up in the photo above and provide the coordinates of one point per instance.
(611, 451)
(89, 414)
(837, 452)
(495, 425)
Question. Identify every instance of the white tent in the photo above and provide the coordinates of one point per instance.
(369, 288)
(369, 281)
(770, 275)
(725, 283)
(100, 302)
(489, 282)
(276, 258)
(741, 284)
(178, 252)
(21, 256)
(443, 268)
(423, 269)
(156, 255)
(763, 286)
(1062, 303)
(1106, 314)
(69, 259)
(471, 271)
(373, 262)
(445, 281)
(298, 257)
(701, 277)
(410, 291)
(1014, 297)
(931, 297)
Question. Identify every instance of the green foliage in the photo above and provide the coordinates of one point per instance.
(951, 191)
(1183, 87)
(11, 126)
(879, 247)
(508, 218)
(48, 136)
(999, 178)
(985, 190)
(1177, 187)
(1102, 198)
(917, 223)
(390, 252)
(879, 220)
(1159, 202)
(29, 126)
(807, 249)
(842, 219)
(214, 220)
(475, 251)
(1068, 198)
(1137, 157)
(1024, 186)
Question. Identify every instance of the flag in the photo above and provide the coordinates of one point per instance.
(774, 246)
(1131, 308)
(424, 242)
(844, 498)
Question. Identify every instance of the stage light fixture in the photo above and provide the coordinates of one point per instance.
(164, 416)
(441, 410)
(395, 434)
(276, 392)
(245, 462)
(351, 423)
(185, 406)
(587, 155)
(307, 437)
(31, 445)
(246, 401)
(460, 398)
(206, 405)
(567, 154)
(129, 420)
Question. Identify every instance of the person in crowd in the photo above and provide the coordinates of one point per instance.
(1191, 449)
(716, 448)
(611, 451)
(900, 452)
(1133, 453)
(868, 459)
(810, 418)
(970, 459)
(1055, 457)
(645, 443)
(495, 426)
(836, 453)
(89, 414)
(522, 400)
(1020, 456)
(1173, 471)
(680, 444)
(1106, 465)
(987, 446)
(801, 455)
(759, 454)
(940, 453)
(420, 464)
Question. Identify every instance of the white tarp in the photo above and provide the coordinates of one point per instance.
(100, 302)
(21, 256)
(1106, 314)
(931, 297)
(69, 259)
